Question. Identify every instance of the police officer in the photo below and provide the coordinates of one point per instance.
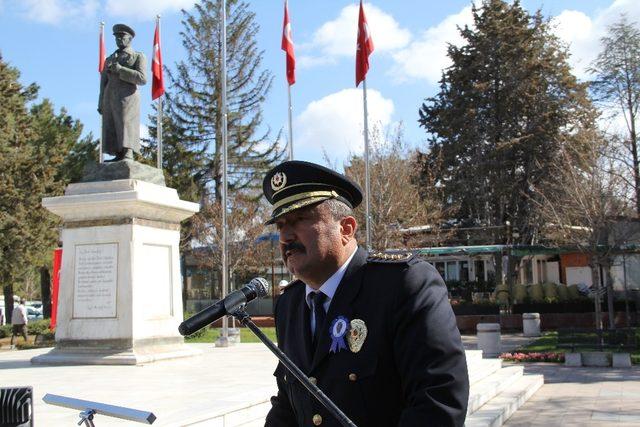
(374, 332)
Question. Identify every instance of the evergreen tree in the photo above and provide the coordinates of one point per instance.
(34, 163)
(617, 82)
(194, 107)
(15, 130)
(505, 107)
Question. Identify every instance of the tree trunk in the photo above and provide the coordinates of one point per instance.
(45, 292)
(609, 284)
(595, 278)
(633, 141)
(8, 302)
(512, 274)
(183, 270)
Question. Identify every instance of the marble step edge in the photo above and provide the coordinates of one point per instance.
(478, 370)
(473, 355)
(498, 410)
(489, 387)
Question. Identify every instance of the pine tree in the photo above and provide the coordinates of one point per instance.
(194, 108)
(15, 130)
(35, 145)
(506, 106)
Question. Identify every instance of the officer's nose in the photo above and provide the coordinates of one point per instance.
(286, 234)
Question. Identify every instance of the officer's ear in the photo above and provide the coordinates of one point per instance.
(348, 227)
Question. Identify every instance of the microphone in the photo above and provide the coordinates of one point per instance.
(256, 288)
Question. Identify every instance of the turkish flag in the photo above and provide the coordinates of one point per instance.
(287, 46)
(102, 55)
(57, 266)
(365, 47)
(157, 85)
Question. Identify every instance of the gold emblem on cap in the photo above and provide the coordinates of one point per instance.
(357, 335)
(278, 181)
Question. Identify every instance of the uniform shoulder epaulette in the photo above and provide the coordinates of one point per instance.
(386, 258)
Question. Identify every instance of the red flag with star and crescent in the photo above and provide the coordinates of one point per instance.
(365, 47)
(287, 46)
(157, 85)
(102, 52)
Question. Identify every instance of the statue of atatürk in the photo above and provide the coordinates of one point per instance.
(119, 101)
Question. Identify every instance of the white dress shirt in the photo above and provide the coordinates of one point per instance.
(328, 288)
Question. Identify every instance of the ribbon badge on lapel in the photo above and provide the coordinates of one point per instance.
(338, 330)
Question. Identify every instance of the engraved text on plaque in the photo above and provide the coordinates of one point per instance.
(96, 273)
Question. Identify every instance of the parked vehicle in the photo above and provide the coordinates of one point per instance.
(34, 314)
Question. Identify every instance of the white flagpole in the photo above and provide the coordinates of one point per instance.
(100, 154)
(290, 126)
(159, 112)
(223, 340)
(366, 165)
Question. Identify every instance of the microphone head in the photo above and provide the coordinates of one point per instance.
(261, 287)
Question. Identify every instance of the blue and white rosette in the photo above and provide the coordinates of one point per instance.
(338, 330)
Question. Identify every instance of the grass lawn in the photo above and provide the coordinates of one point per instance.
(211, 334)
(548, 343)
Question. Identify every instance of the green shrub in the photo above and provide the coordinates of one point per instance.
(574, 293)
(519, 294)
(550, 291)
(5, 331)
(563, 293)
(536, 293)
(38, 327)
(502, 294)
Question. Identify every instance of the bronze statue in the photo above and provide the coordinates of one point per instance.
(119, 102)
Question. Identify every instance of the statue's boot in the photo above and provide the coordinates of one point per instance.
(127, 154)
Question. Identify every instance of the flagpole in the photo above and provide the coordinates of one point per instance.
(366, 165)
(290, 126)
(100, 154)
(159, 112)
(223, 340)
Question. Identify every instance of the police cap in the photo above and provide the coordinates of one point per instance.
(295, 184)
(122, 28)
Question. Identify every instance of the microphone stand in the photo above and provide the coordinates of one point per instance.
(245, 319)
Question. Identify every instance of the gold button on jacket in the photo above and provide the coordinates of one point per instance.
(317, 419)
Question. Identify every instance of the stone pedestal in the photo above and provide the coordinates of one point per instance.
(621, 360)
(531, 324)
(596, 358)
(573, 359)
(120, 298)
(489, 339)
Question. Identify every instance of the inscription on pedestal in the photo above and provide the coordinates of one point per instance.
(96, 280)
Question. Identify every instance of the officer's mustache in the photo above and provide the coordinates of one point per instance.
(292, 247)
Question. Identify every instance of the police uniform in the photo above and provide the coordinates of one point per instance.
(400, 360)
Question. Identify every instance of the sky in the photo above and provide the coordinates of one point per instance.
(54, 43)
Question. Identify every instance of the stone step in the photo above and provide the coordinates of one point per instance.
(480, 369)
(486, 389)
(473, 355)
(498, 410)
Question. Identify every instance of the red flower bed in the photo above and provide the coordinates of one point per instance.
(533, 357)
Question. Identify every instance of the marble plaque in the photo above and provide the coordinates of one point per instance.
(96, 280)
